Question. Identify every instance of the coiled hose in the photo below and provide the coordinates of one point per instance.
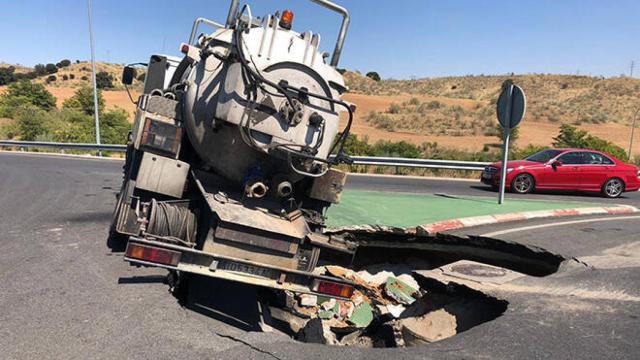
(172, 222)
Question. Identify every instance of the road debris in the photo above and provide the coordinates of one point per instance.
(389, 308)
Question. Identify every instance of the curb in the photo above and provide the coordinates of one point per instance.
(454, 224)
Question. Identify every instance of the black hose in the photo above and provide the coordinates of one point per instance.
(172, 222)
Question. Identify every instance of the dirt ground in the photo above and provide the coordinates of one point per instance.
(539, 133)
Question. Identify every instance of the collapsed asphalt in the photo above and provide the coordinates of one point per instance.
(67, 295)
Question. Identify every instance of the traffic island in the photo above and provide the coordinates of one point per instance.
(431, 214)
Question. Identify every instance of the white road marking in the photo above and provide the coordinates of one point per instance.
(533, 227)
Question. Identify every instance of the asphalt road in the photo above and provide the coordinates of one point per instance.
(472, 188)
(65, 294)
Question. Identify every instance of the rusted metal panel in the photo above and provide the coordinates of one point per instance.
(266, 240)
(329, 186)
(162, 175)
(229, 208)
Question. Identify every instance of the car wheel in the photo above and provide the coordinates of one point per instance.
(523, 184)
(613, 188)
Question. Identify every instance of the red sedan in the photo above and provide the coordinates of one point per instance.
(567, 169)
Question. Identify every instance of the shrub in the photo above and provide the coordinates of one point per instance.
(381, 121)
(356, 147)
(114, 126)
(414, 101)
(373, 75)
(65, 77)
(51, 68)
(63, 63)
(31, 122)
(396, 149)
(104, 80)
(84, 78)
(7, 75)
(40, 70)
(71, 76)
(394, 109)
(51, 78)
(142, 77)
(26, 93)
(82, 101)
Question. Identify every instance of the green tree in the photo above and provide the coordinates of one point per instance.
(51, 68)
(104, 80)
(356, 147)
(373, 75)
(40, 70)
(31, 122)
(26, 93)
(114, 126)
(63, 63)
(82, 101)
(572, 137)
(7, 75)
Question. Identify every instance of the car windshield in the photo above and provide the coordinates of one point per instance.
(543, 156)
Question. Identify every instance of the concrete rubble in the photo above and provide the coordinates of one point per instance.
(375, 315)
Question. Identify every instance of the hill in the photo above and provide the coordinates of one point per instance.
(450, 110)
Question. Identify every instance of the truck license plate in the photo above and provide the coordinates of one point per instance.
(247, 269)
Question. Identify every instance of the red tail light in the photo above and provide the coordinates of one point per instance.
(333, 289)
(153, 254)
(161, 136)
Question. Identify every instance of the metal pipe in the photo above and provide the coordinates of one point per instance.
(284, 189)
(343, 28)
(233, 10)
(93, 76)
(633, 127)
(256, 190)
(197, 23)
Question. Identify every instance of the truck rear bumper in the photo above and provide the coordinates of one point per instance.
(222, 267)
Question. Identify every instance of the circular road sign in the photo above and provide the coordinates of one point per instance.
(511, 106)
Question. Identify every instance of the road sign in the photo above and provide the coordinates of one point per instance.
(511, 106)
(510, 109)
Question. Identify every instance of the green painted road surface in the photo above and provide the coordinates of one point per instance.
(407, 210)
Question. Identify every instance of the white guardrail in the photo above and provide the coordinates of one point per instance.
(357, 160)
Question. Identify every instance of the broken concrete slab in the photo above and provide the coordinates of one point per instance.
(362, 316)
(395, 310)
(308, 300)
(399, 291)
(431, 327)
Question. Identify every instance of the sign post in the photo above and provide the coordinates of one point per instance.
(510, 109)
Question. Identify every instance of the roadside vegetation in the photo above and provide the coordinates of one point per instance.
(568, 137)
(29, 113)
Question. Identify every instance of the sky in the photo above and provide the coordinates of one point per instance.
(399, 39)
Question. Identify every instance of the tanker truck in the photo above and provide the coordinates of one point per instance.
(229, 168)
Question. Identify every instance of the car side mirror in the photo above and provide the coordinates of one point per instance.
(128, 74)
(556, 163)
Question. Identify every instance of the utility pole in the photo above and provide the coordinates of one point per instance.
(633, 65)
(93, 76)
(633, 128)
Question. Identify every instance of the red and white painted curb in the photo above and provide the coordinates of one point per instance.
(460, 223)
